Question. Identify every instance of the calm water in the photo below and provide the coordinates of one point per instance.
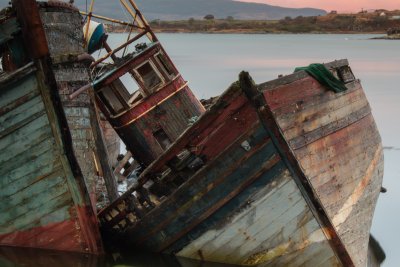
(210, 62)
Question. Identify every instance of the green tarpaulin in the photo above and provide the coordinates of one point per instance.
(324, 76)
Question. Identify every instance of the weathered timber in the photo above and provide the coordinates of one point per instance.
(251, 181)
(102, 152)
(338, 147)
(270, 123)
(48, 205)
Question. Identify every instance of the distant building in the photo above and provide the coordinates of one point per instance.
(382, 14)
(394, 17)
(333, 12)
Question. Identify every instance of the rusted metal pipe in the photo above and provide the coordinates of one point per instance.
(80, 91)
(139, 19)
(88, 23)
(112, 20)
(144, 21)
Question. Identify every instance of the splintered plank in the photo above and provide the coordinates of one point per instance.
(191, 206)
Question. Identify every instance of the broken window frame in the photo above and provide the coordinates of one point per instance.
(144, 90)
(117, 94)
(165, 65)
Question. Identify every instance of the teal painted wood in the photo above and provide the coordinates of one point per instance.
(28, 189)
(37, 186)
(248, 227)
(8, 29)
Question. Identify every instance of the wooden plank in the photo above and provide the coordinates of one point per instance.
(19, 113)
(295, 114)
(221, 236)
(101, 151)
(340, 119)
(22, 123)
(221, 169)
(299, 75)
(225, 234)
(21, 87)
(15, 77)
(298, 239)
(39, 198)
(190, 135)
(26, 172)
(17, 102)
(29, 193)
(37, 151)
(295, 92)
(32, 218)
(271, 125)
(21, 140)
(247, 239)
(36, 175)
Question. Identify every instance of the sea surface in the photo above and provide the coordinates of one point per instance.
(211, 62)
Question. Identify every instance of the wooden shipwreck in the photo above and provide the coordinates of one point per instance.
(44, 198)
(283, 173)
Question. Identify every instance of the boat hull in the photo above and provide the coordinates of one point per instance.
(271, 190)
(45, 203)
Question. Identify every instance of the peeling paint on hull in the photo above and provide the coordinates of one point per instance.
(259, 198)
(45, 203)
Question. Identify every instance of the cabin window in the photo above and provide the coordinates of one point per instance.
(162, 138)
(168, 69)
(150, 78)
(128, 88)
(110, 100)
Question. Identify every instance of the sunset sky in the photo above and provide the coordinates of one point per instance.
(339, 5)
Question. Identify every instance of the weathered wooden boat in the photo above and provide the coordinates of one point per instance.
(44, 198)
(283, 173)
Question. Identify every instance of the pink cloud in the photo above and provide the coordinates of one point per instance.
(339, 5)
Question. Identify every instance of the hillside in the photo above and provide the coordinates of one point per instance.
(332, 23)
(185, 9)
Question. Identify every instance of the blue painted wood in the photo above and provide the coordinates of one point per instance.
(222, 168)
(37, 187)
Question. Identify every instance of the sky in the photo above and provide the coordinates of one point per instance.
(339, 5)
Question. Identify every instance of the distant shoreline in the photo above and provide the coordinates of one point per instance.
(260, 32)
(361, 23)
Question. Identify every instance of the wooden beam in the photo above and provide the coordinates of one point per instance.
(101, 151)
(272, 127)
